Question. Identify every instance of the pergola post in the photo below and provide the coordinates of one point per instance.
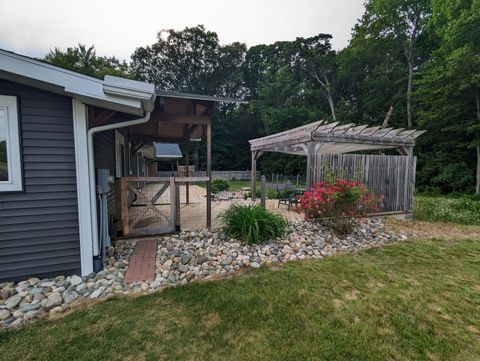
(187, 173)
(209, 175)
(405, 150)
(254, 175)
(310, 164)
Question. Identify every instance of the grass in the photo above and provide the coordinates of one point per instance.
(459, 209)
(237, 185)
(418, 300)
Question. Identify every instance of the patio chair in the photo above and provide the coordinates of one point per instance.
(287, 195)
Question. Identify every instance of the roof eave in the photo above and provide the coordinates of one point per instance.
(112, 93)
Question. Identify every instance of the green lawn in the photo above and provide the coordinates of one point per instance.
(237, 185)
(419, 300)
(454, 209)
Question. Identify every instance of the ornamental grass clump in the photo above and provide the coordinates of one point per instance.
(253, 224)
(336, 204)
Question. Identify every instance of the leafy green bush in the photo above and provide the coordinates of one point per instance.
(462, 210)
(220, 185)
(248, 194)
(253, 224)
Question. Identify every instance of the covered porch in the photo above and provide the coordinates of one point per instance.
(139, 202)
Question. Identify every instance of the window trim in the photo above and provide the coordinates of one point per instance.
(14, 158)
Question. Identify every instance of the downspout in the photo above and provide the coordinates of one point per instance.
(91, 166)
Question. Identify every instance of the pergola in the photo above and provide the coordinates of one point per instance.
(331, 138)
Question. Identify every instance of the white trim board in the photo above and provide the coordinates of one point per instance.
(8, 105)
(80, 123)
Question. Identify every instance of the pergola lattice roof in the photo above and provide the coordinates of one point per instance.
(334, 138)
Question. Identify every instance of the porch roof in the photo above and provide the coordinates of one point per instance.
(177, 118)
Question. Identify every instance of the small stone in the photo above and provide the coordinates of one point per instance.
(33, 281)
(47, 284)
(144, 286)
(186, 257)
(56, 310)
(4, 314)
(70, 296)
(31, 314)
(18, 314)
(5, 294)
(54, 299)
(76, 280)
(255, 265)
(13, 302)
(183, 268)
(30, 307)
(35, 290)
(96, 293)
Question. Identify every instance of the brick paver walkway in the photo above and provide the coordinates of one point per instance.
(142, 262)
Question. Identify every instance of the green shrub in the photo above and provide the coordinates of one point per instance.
(272, 193)
(253, 224)
(220, 185)
(248, 194)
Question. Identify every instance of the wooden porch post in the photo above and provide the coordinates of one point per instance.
(124, 206)
(209, 175)
(253, 188)
(187, 164)
(310, 164)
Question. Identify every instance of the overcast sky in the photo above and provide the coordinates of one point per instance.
(117, 27)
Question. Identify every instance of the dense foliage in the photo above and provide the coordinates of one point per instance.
(420, 58)
(337, 204)
(461, 209)
(253, 224)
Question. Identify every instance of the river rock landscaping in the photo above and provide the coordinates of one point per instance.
(181, 258)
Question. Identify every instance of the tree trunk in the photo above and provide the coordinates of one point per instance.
(325, 89)
(409, 94)
(332, 106)
(477, 184)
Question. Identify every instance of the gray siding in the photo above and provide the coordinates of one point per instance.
(39, 226)
(104, 152)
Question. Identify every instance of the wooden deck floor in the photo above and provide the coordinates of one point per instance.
(193, 215)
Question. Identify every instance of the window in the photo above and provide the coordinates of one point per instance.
(10, 164)
(119, 155)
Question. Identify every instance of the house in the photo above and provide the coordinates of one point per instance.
(58, 128)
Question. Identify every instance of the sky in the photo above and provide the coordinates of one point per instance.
(118, 27)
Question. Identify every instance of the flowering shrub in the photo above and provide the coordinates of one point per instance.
(337, 203)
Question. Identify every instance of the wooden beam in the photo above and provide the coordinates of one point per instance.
(310, 164)
(103, 116)
(183, 119)
(187, 151)
(209, 175)
(124, 206)
(363, 139)
(253, 187)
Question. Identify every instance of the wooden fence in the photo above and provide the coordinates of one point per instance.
(390, 175)
(223, 174)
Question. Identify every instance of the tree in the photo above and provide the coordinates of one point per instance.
(191, 60)
(84, 60)
(402, 21)
(450, 84)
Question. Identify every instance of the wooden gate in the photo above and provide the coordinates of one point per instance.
(390, 175)
(147, 205)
